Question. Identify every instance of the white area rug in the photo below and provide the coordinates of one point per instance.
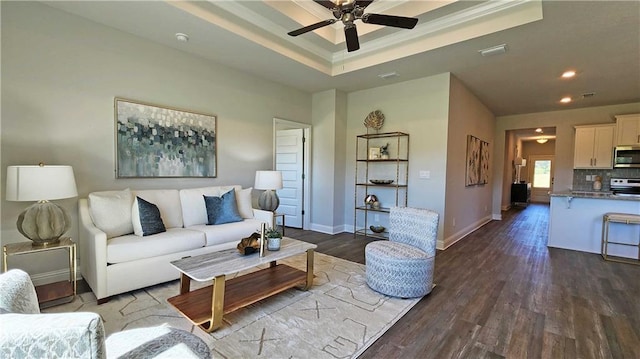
(339, 317)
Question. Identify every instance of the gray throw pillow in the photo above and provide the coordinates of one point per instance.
(150, 219)
(223, 209)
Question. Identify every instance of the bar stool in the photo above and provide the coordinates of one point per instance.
(625, 218)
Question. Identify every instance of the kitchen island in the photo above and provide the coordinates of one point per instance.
(575, 222)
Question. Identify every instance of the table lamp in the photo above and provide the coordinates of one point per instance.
(43, 222)
(268, 181)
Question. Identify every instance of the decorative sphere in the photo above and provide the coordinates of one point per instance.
(370, 199)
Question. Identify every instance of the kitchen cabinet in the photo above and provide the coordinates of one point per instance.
(381, 173)
(594, 146)
(628, 129)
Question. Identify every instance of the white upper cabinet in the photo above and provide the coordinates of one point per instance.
(594, 146)
(628, 129)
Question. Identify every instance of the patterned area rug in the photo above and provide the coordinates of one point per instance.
(339, 317)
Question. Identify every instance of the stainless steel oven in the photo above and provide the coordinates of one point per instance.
(625, 187)
(626, 156)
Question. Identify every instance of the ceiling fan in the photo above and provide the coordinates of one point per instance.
(350, 11)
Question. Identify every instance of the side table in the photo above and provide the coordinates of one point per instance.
(51, 291)
(275, 220)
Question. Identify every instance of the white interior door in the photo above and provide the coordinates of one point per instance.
(290, 161)
(541, 177)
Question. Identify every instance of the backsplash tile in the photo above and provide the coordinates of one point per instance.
(581, 184)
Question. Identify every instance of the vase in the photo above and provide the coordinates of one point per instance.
(273, 244)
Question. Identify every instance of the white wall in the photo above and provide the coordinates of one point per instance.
(563, 122)
(420, 108)
(467, 208)
(60, 74)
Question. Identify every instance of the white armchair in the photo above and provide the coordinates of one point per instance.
(26, 333)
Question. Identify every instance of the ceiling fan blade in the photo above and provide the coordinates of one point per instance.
(390, 20)
(351, 35)
(326, 3)
(311, 27)
(363, 3)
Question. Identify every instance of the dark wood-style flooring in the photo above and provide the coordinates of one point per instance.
(501, 293)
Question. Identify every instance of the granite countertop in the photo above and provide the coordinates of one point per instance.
(593, 194)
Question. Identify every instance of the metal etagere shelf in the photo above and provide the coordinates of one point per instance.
(371, 164)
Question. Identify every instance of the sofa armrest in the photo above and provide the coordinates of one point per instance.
(63, 335)
(264, 216)
(93, 252)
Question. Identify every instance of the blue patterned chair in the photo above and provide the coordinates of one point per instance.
(26, 333)
(403, 265)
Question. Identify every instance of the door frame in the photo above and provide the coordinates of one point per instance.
(282, 124)
(530, 161)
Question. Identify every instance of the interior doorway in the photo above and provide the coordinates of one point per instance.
(291, 146)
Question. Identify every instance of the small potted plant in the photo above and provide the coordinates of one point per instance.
(274, 237)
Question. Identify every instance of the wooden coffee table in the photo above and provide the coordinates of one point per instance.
(206, 306)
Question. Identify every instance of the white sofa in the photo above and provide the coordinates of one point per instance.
(113, 260)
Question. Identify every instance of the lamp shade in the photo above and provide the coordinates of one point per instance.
(36, 183)
(266, 180)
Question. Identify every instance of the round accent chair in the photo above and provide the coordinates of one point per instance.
(403, 266)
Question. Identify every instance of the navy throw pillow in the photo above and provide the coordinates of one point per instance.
(150, 219)
(223, 209)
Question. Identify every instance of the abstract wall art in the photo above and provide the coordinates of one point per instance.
(154, 141)
(477, 165)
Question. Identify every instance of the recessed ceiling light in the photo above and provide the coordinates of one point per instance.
(565, 100)
(538, 130)
(568, 74)
(182, 37)
(542, 140)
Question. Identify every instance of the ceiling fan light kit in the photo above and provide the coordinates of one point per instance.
(348, 12)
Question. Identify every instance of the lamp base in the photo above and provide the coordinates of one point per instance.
(269, 200)
(43, 223)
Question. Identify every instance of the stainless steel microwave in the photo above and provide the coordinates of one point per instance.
(626, 156)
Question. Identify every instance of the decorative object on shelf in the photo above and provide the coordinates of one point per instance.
(273, 239)
(268, 181)
(374, 153)
(597, 183)
(153, 141)
(379, 181)
(477, 165)
(249, 245)
(375, 205)
(374, 120)
(384, 152)
(370, 199)
(43, 222)
(377, 229)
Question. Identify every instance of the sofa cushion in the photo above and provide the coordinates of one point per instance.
(168, 202)
(131, 247)
(194, 210)
(146, 218)
(110, 211)
(228, 232)
(243, 198)
(223, 209)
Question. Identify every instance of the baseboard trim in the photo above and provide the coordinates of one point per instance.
(52, 277)
(451, 240)
(328, 229)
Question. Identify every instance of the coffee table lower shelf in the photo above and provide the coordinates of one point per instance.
(199, 305)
